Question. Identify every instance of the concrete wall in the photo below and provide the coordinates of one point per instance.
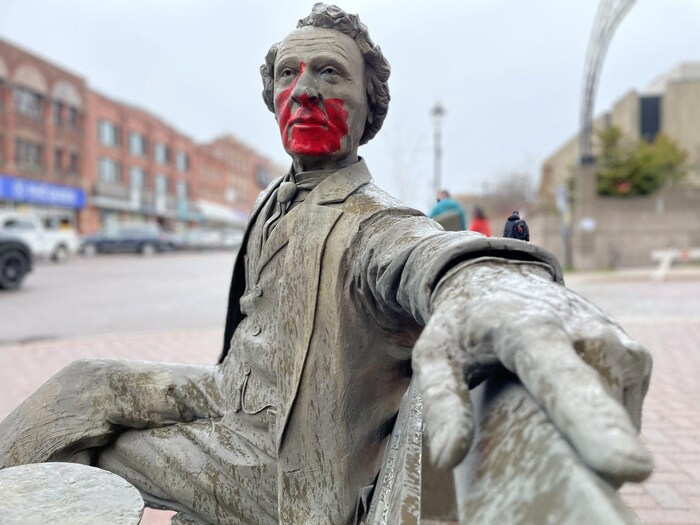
(627, 229)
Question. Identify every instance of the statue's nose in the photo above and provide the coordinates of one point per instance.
(305, 91)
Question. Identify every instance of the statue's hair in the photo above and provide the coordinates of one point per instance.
(377, 67)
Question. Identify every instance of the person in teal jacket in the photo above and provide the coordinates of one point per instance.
(447, 210)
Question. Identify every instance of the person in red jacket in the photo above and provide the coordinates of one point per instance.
(480, 222)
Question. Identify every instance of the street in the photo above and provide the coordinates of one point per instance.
(171, 307)
(118, 293)
(130, 293)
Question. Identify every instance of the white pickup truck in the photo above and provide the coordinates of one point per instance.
(55, 243)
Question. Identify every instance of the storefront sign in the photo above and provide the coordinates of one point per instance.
(31, 191)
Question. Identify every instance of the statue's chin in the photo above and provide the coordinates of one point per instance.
(313, 141)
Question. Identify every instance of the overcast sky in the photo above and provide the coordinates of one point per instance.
(508, 72)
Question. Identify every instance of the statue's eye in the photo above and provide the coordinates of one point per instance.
(328, 70)
(286, 72)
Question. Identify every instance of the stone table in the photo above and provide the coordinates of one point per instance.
(67, 493)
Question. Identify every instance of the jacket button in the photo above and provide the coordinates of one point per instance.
(246, 369)
(258, 291)
(256, 329)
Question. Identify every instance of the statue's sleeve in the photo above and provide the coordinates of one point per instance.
(399, 256)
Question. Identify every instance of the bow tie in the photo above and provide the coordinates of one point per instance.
(286, 192)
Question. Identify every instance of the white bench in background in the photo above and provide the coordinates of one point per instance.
(666, 258)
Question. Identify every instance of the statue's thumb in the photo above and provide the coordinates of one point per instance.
(447, 409)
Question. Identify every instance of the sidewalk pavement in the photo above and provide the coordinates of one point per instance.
(671, 427)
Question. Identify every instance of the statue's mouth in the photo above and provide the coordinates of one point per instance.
(303, 123)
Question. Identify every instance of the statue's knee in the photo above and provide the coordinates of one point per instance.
(86, 369)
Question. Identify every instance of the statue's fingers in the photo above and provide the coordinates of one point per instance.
(447, 411)
(632, 398)
(636, 372)
(622, 363)
(580, 404)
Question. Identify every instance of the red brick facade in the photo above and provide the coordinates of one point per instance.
(42, 120)
(132, 165)
(247, 172)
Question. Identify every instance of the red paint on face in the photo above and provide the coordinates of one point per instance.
(316, 126)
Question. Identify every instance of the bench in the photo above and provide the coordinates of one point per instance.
(666, 258)
(519, 470)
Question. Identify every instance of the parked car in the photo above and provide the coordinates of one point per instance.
(145, 240)
(174, 240)
(202, 239)
(56, 244)
(15, 261)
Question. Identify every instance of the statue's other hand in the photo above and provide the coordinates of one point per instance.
(578, 364)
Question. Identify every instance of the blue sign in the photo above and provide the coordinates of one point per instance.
(31, 191)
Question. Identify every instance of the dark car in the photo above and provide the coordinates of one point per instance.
(15, 261)
(136, 239)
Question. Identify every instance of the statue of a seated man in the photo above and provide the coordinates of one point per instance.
(339, 294)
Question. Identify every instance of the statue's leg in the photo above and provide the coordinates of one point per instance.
(87, 403)
(201, 468)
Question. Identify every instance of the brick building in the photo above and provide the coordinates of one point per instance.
(140, 170)
(247, 173)
(42, 135)
(71, 153)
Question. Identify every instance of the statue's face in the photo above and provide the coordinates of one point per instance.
(320, 95)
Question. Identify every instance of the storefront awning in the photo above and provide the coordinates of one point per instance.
(214, 212)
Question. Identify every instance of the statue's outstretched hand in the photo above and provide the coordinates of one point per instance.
(577, 363)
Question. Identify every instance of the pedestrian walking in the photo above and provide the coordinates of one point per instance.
(480, 223)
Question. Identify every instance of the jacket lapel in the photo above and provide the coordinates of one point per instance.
(278, 238)
(298, 299)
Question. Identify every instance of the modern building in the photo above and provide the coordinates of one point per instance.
(72, 154)
(590, 231)
(42, 136)
(670, 104)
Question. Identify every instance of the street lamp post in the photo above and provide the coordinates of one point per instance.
(437, 112)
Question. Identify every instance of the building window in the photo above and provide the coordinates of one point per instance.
(182, 161)
(182, 190)
(108, 133)
(73, 164)
(58, 160)
(28, 155)
(57, 111)
(109, 170)
(28, 103)
(72, 118)
(137, 144)
(262, 176)
(161, 184)
(137, 177)
(161, 153)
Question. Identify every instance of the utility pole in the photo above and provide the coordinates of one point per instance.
(437, 112)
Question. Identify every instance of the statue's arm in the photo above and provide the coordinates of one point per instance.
(498, 303)
(399, 256)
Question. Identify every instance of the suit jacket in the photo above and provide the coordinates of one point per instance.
(359, 271)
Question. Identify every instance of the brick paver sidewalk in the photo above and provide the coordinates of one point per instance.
(671, 419)
(671, 424)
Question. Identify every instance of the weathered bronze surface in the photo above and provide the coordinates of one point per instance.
(66, 493)
(340, 297)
